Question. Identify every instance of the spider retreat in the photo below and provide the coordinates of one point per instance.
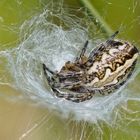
(107, 67)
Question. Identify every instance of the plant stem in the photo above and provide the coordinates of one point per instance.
(98, 19)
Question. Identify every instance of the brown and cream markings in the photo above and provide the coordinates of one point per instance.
(106, 69)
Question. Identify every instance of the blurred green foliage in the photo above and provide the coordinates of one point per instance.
(119, 15)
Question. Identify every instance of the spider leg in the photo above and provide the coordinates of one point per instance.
(74, 97)
(51, 81)
(112, 37)
(82, 52)
(94, 52)
(46, 68)
(69, 85)
(71, 79)
(46, 75)
(101, 47)
(70, 75)
(81, 95)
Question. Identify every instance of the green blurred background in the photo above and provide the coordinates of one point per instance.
(24, 120)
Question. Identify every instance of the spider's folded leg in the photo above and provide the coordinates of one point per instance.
(46, 75)
(102, 46)
(82, 52)
(46, 68)
(74, 97)
(112, 37)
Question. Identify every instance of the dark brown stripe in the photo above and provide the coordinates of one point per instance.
(133, 51)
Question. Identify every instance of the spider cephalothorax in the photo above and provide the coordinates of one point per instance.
(105, 70)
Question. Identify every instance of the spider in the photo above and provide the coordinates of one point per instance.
(106, 69)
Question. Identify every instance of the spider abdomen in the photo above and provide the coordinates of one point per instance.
(115, 63)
